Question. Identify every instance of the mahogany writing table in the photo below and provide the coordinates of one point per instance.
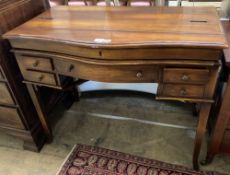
(179, 48)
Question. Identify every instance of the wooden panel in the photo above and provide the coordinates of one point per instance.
(225, 145)
(28, 128)
(10, 117)
(5, 96)
(36, 63)
(1, 74)
(226, 27)
(183, 91)
(156, 53)
(15, 12)
(228, 123)
(105, 73)
(180, 75)
(39, 77)
(218, 142)
(127, 27)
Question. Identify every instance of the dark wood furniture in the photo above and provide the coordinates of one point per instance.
(18, 116)
(116, 45)
(220, 140)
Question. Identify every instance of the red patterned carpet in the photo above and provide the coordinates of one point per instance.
(89, 160)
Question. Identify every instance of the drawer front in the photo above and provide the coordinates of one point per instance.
(35, 63)
(39, 77)
(178, 75)
(158, 53)
(10, 117)
(183, 91)
(225, 145)
(105, 73)
(5, 96)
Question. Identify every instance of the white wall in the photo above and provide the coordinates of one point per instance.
(143, 87)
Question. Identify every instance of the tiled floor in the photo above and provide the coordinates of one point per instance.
(128, 122)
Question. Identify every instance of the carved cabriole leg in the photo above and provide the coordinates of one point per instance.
(200, 132)
(35, 96)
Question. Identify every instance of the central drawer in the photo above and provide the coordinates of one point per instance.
(5, 96)
(107, 73)
(10, 117)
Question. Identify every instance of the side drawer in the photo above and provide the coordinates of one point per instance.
(193, 91)
(34, 63)
(5, 96)
(10, 117)
(39, 77)
(225, 145)
(107, 73)
(180, 75)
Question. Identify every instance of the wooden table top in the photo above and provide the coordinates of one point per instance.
(126, 27)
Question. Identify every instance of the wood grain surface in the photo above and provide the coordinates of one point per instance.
(226, 26)
(126, 26)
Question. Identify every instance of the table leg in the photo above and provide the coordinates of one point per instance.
(195, 110)
(35, 96)
(220, 126)
(200, 132)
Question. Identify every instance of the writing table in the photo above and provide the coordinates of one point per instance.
(179, 48)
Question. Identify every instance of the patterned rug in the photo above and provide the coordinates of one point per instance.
(89, 160)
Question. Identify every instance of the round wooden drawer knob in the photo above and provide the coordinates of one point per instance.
(41, 77)
(184, 77)
(71, 67)
(36, 63)
(139, 74)
(183, 92)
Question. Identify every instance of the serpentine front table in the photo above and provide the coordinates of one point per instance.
(179, 48)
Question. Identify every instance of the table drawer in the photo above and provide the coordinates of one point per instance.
(35, 63)
(192, 91)
(5, 96)
(180, 75)
(39, 77)
(107, 73)
(10, 117)
(225, 145)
